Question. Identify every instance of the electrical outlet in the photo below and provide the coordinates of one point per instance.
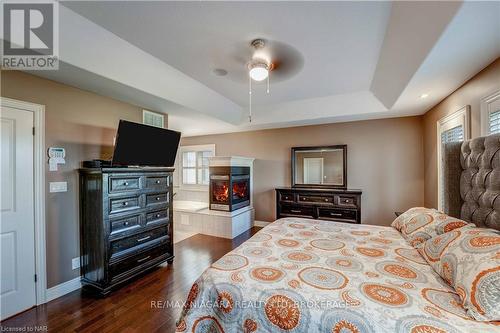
(75, 263)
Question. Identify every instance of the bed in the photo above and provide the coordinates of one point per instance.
(302, 275)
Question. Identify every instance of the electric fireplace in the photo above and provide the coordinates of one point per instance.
(229, 187)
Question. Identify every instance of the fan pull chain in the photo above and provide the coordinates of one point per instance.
(250, 99)
(268, 75)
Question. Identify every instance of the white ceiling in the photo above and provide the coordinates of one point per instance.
(360, 60)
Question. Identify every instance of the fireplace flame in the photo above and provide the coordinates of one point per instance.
(240, 190)
(221, 193)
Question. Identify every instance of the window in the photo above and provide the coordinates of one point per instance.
(194, 164)
(455, 134)
(495, 122)
(452, 128)
(153, 119)
(490, 114)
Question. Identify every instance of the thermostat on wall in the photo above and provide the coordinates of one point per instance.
(56, 156)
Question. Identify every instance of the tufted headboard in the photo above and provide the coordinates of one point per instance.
(471, 180)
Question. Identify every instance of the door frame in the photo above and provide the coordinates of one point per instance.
(39, 190)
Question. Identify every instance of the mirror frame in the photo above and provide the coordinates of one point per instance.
(298, 149)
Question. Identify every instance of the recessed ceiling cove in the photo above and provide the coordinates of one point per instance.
(328, 48)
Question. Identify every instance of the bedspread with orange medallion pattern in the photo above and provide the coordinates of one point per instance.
(301, 275)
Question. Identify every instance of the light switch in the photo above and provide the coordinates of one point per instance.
(75, 263)
(58, 187)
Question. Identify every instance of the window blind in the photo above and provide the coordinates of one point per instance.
(495, 122)
(453, 134)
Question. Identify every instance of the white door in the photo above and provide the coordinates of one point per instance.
(17, 224)
(313, 170)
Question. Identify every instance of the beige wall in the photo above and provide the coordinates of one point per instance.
(481, 85)
(84, 124)
(384, 159)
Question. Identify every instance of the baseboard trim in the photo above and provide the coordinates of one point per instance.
(63, 289)
(258, 223)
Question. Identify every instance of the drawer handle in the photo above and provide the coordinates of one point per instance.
(158, 198)
(125, 184)
(143, 259)
(125, 203)
(143, 239)
(303, 199)
(295, 211)
(335, 214)
(158, 182)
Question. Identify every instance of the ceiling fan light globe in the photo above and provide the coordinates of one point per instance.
(259, 73)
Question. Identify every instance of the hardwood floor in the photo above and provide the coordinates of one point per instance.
(130, 309)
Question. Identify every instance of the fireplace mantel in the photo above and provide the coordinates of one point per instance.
(231, 161)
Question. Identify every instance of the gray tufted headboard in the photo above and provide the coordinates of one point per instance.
(471, 180)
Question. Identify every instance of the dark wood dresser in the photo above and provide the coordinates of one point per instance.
(126, 224)
(319, 203)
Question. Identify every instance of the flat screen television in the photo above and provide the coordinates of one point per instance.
(144, 145)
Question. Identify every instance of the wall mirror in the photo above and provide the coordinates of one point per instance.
(319, 166)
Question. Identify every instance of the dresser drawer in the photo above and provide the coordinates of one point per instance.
(337, 214)
(303, 198)
(121, 184)
(138, 262)
(297, 211)
(125, 224)
(157, 217)
(349, 201)
(118, 205)
(287, 197)
(155, 199)
(157, 183)
(126, 245)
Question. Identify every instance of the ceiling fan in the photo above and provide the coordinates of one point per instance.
(263, 58)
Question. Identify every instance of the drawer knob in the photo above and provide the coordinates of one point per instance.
(125, 203)
(326, 199)
(158, 215)
(125, 184)
(157, 198)
(158, 182)
(143, 239)
(126, 223)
